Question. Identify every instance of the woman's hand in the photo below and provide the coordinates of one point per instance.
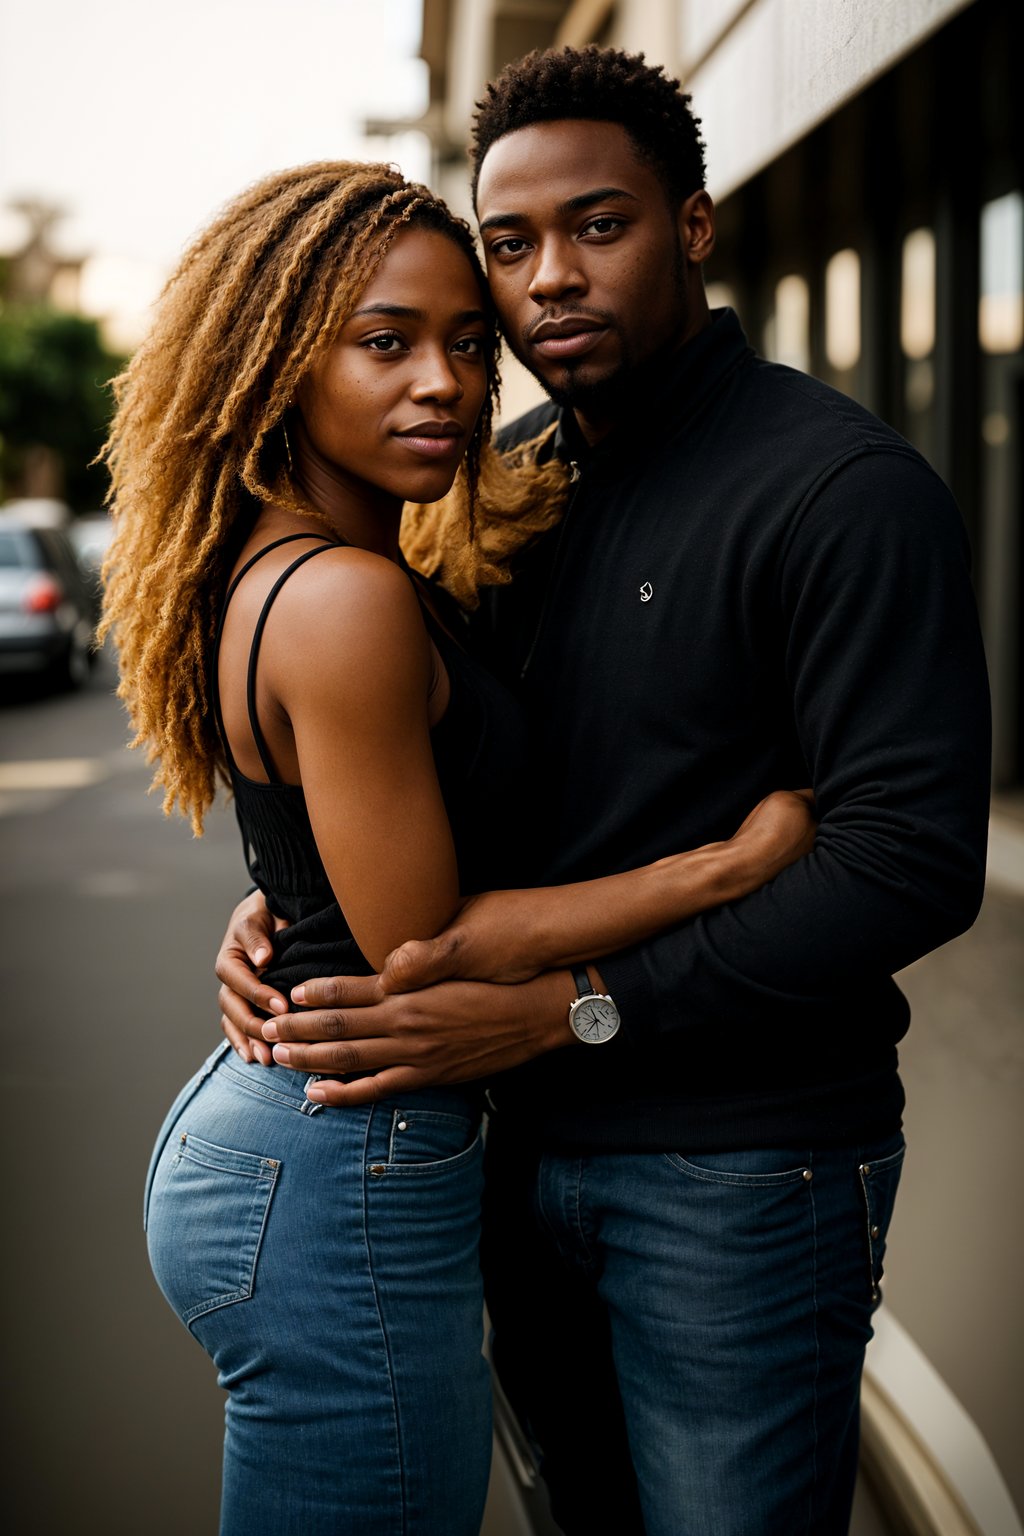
(245, 949)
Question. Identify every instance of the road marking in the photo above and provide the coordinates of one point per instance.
(53, 773)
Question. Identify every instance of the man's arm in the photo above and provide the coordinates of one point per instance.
(886, 674)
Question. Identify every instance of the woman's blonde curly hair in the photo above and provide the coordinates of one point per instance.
(197, 443)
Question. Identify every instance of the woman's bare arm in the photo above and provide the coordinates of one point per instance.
(346, 661)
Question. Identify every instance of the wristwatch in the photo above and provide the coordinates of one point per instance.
(593, 1017)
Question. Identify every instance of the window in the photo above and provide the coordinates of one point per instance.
(842, 311)
(1001, 303)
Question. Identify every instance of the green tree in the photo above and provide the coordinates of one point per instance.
(54, 394)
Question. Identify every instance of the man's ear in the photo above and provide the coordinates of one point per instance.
(696, 224)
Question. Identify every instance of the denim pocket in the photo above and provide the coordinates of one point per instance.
(207, 1217)
(752, 1169)
(879, 1181)
(428, 1141)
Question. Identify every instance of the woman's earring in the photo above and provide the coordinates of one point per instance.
(287, 448)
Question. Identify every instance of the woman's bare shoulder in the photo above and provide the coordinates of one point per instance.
(353, 606)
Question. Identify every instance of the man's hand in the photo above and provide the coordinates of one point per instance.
(450, 1033)
(247, 947)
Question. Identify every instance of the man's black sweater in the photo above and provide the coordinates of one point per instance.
(756, 585)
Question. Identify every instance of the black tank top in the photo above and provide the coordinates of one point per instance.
(479, 754)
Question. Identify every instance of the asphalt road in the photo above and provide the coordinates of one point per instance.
(109, 915)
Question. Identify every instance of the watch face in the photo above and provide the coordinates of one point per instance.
(595, 1019)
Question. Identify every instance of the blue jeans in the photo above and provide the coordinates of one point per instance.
(327, 1260)
(682, 1335)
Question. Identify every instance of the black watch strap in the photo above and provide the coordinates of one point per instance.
(584, 985)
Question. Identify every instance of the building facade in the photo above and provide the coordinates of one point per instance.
(866, 160)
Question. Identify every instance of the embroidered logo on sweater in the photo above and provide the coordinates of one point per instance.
(646, 592)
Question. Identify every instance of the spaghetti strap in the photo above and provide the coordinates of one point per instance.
(250, 683)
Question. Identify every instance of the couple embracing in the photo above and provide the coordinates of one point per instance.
(524, 780)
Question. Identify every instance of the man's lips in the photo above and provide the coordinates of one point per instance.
(433, 439)
(571, 336)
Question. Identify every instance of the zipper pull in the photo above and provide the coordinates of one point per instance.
(574, 472)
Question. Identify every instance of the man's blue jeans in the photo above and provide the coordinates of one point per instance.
(328, 1261)
(698, 1319)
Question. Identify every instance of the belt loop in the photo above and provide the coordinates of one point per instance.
(308, 1107)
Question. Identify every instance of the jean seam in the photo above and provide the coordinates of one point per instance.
(396, 1416)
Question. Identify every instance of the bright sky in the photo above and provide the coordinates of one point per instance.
(141, 118)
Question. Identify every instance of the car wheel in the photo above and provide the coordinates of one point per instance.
(72, 670)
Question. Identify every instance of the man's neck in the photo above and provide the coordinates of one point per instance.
(596, 423)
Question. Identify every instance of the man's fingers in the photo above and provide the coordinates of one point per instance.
(338, 992)
(343, 1057)
(391, 1083)
(325, 1025)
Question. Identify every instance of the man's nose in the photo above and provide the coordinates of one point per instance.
(557, 272)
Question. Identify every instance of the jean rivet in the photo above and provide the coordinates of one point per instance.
(865, 1167)
(403, 1125)
(376, 1169)
(874, 1231)
(808, 1175)
(184, 1138)
(271, 1162)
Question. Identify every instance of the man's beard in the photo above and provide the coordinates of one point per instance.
(594, 398)
(606, 398)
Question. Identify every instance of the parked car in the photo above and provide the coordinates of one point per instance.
(48, 606)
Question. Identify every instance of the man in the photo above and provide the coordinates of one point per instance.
(755, 584)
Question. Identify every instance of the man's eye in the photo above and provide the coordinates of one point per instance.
(605, 225)
(510, 246)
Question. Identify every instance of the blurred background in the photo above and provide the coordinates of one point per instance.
(866, 158)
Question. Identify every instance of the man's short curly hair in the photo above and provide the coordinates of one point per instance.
(600, 85)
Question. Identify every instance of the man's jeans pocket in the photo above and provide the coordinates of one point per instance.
(208, 1210)
(746, 1169)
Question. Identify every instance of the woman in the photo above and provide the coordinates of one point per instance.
(325, 353)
